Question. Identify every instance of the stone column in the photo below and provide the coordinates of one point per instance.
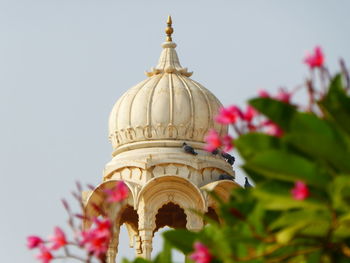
(146, 236)
(146, 228)
(113, 245)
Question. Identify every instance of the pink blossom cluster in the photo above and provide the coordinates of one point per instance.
(215, 141)
(118, 193)
(315, 59)
(242, 121)
(94, 240)
(54, 242)
(300, 191)
(201, 253)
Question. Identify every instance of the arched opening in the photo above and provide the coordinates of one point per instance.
(130, 216)
(171, 215)
(97, 199)
(128, 230)
(124, 249)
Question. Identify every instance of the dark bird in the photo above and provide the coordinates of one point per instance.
(188, 149)
(247, 184)
(215, 152)
(228, 157)
(226, 177)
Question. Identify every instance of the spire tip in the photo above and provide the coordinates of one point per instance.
(169, 30)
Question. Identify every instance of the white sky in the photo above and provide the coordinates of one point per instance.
(63, 64)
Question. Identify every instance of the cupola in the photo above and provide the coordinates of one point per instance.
(167, 108)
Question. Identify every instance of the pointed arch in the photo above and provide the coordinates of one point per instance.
(96, 201)
(165, 189)
(221, 188)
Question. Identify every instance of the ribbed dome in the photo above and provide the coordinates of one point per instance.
(167, 108)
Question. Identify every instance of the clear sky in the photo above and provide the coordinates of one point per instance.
(63, 64)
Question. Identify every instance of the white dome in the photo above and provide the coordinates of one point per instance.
(167, 108)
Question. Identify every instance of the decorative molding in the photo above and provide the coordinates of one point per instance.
(158, 131)
(140, 176)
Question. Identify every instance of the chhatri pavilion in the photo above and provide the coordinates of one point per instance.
(147, 128)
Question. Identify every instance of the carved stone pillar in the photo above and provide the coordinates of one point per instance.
(138, 249)
(113, 245)
(146, 228)
(146, 236)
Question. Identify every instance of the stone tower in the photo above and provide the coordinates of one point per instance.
(147, 127)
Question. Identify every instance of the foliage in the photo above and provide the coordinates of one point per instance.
(309, 156)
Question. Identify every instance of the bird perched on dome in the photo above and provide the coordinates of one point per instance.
(215, 152)
(228, 157)
(188, 149)
(247, 184)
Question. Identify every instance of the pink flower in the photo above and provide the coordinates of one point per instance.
(263, 93)
(119, 193)
(252, 127)
(283, 95)
(45, 255)
(227, 143)
(249, 114)
(273, 129)
(228, 115)
(213, 141)
(316, 59)
(96, 240)
(102, 225)
(300, 191)
(33, 241)
(201, 253)
(58, 239)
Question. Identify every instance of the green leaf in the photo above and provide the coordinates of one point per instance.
(216, 237)
(250, 144)
(279, 112)
(285, 235)
(336, 104)
(290, 217)
(314, 257)
(287, 167)
(343, 227)
(339, 190)
(320, 147)
(318, 221)
(276, 195)
(181, 239)
(311, 123)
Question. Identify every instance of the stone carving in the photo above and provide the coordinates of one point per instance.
(171, 169)
(126, 174)
(158, 171)
(159, 131)
(138, 175)
(207, 174)
(184, 171)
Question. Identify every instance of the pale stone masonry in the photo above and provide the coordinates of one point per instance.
(147, 127)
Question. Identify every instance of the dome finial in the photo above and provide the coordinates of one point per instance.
(168, 60)
(169, 30)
